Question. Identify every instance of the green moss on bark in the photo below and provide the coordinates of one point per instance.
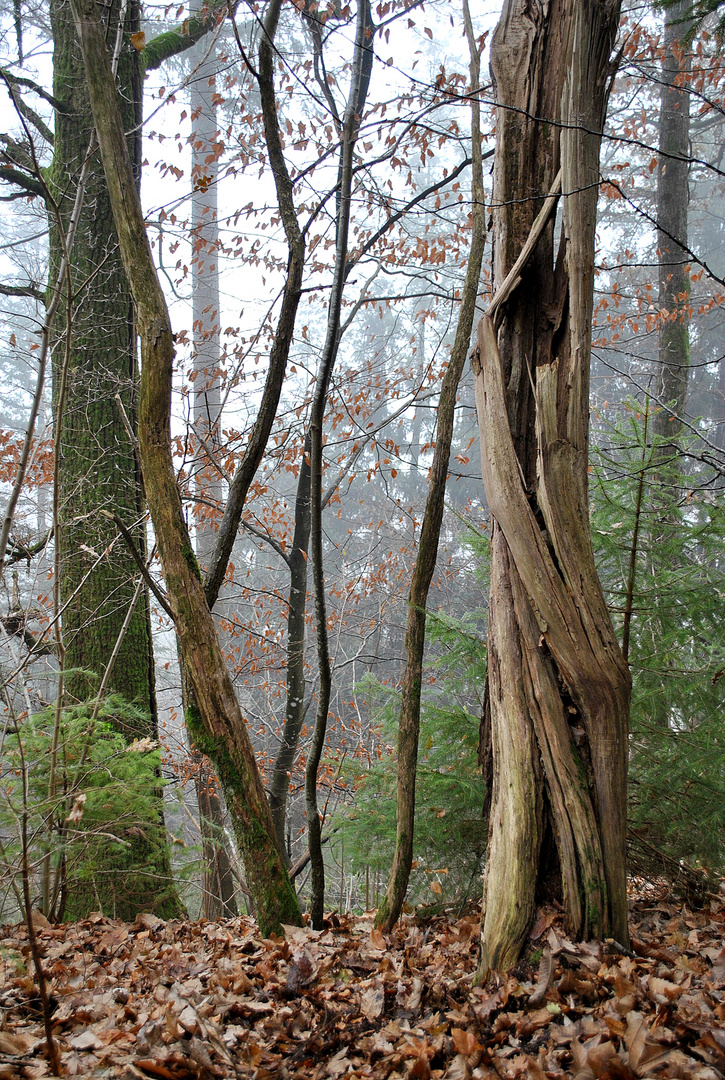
(98, 467)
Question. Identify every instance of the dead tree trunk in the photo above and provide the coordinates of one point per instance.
(559, 688)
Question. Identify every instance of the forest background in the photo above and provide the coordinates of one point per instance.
(264, 131)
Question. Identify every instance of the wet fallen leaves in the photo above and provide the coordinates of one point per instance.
(190, 1001)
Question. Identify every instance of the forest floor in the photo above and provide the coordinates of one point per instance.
(180, 1000)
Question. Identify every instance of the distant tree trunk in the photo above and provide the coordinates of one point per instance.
(218, 716)
(425, 562)
(219, 892)
(558, 686)
(98, 468)
(359, 83)
(296, 609)
(672, 203)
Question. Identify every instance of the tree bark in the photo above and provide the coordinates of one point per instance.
(558, 685)
(218, 889)
(672, 202)
(218, 879)
(218, 724)
(359, 82)
(296, 608)
(97, 461)
(98, 470)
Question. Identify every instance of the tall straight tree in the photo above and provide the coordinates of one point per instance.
(218, 880)
(558, 686)
(672, 204)
(97, 462)
(98, 467)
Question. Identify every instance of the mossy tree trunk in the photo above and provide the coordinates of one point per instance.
(215, 719)
(98, 470)
(558, 686)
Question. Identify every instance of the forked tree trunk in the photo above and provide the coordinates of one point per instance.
(559, 688)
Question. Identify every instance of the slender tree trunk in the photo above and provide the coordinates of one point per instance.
(409, 719)
(219, 893)
(558, 686)
(672, 203)
(359, 82)
(296, 608)
(218, 716)
(219, 899)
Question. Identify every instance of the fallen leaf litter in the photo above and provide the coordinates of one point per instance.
(190, 1001)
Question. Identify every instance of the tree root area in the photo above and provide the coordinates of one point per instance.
(189, 1001)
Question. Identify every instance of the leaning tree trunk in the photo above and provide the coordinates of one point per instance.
(559, 688)
(218, 719)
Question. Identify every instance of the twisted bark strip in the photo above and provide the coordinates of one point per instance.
(558, 684)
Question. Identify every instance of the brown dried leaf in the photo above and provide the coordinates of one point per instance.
(301, 971)
(465, 1042)
(16, 1044)
(626, 994)
(377, 939)
(372, 1002)
(717, 975)
(458, 1068)
(543, 979)
(87, 1040)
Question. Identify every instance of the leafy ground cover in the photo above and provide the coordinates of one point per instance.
(180, 1000)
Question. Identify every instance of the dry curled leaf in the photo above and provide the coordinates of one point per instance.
(543, 979)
